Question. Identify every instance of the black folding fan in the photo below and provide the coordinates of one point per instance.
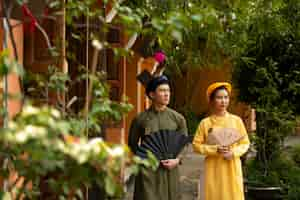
(164, 144)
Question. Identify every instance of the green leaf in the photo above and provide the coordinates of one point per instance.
(110, 186)
(54, 4)
(177, 35)
(197, 17)
(158, 24)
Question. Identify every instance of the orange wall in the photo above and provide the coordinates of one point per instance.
(14, 106)
(131, 91)
(203, 78)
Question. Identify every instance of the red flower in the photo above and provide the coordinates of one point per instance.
(160, 57)
(27, 14)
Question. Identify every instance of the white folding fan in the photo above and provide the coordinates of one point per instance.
(223, 136)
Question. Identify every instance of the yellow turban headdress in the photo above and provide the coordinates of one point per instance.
(211, 88)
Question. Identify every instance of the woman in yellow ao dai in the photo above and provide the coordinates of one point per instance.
(223, 179)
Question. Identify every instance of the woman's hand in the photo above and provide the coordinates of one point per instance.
(170, 163)
(226, 152)
(223, 149)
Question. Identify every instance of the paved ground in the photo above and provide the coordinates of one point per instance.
(190, 172)
(292, 140)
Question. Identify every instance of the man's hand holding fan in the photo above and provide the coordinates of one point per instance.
(224, 138)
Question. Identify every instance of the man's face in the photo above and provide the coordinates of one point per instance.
(161, 95)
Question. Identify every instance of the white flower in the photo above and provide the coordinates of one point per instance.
(12, 125)
(117, 151)
(86, 147)
(30, 110)
(79, 152)
(97, 44)
(55, 113)
(21, 137)
(35, 131)
(97, 140)
(61, 146)
(95, 144)
(82, 158)
(233, 16)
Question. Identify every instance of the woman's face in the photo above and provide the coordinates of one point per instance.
(220, 100)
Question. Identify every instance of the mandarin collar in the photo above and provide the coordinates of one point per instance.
(152, 108)
(218, 116)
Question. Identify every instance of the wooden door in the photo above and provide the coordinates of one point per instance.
(116, 77)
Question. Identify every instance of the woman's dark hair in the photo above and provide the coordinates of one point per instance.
(213, 94)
